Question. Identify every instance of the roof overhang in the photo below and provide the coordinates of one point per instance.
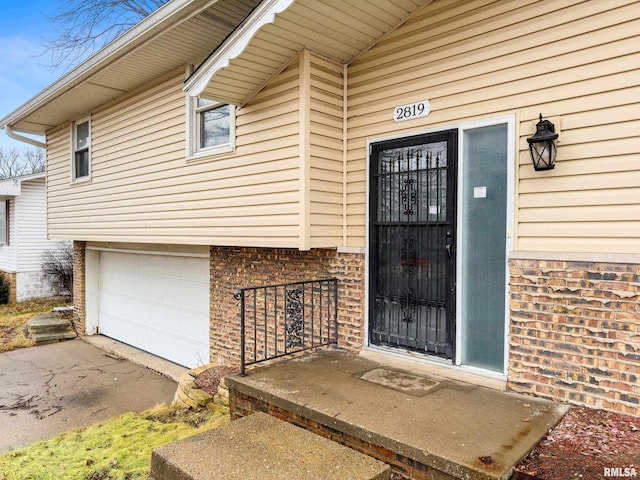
(251, 42)
(277, 30)
(181, 32)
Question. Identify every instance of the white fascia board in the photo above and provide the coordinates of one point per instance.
(30, 176)
(12, 187)
(155, 24)
(264, 14)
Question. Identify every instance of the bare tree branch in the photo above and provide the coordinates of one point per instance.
(56, 266)
(34, 161)
(85, 26)
(14, 163)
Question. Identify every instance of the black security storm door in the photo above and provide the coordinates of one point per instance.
(412, 243)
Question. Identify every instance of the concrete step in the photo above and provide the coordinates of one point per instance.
(262, 447)
(67, 310)
(48, 321)
(52, 337)
(50, 327)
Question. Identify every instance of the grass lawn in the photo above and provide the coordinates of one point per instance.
(119, 448)
(13, 321)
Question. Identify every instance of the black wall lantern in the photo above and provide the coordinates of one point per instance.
(542, 145)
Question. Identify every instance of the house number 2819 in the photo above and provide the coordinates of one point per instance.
(411, 111)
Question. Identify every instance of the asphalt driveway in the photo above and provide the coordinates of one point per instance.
(48, 389)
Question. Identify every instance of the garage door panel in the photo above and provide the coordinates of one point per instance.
(188, 296)
(158, 303)
(179, 266)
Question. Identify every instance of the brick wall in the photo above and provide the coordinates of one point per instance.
(233, 268)
(575, 332)
(242, 405)
(79, 286)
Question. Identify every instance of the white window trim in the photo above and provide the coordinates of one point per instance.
(193, 150)
(74, 178)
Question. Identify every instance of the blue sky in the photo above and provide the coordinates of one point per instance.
(24, 26)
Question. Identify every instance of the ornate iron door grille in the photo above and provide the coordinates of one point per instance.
(412, 250)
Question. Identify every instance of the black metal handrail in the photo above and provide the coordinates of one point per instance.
(278, 320)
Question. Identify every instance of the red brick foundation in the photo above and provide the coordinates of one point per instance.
(242, 405)
(575, 332)
(233, 268)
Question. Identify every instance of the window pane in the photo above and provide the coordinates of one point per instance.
(214, 127)
(82, 163)
(424, 175)
(3, 222)
(82, 135)
(484, 225)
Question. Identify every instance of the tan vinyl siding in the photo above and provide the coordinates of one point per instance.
(326, 112)
(143, 190)
(58, 157)
(571, 60)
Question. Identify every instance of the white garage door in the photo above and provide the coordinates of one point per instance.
(158, 303)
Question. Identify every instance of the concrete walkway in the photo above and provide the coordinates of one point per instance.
(48, 389)
(137, 356)
(456, 429)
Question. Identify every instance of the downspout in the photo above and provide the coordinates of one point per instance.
(20, 138)
(345, 158)
(304, 154)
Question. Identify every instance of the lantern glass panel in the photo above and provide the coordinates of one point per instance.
(543, 154)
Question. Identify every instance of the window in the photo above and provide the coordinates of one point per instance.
(4, 222)
(211, 127)
(81, 152)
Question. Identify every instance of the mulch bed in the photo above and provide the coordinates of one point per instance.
(588, 444)
(209, 380)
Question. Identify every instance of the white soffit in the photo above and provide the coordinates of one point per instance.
(278, 30)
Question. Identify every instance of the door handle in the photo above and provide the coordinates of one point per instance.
(449, 243)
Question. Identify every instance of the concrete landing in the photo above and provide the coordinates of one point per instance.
(441, 428)
(262, 447)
